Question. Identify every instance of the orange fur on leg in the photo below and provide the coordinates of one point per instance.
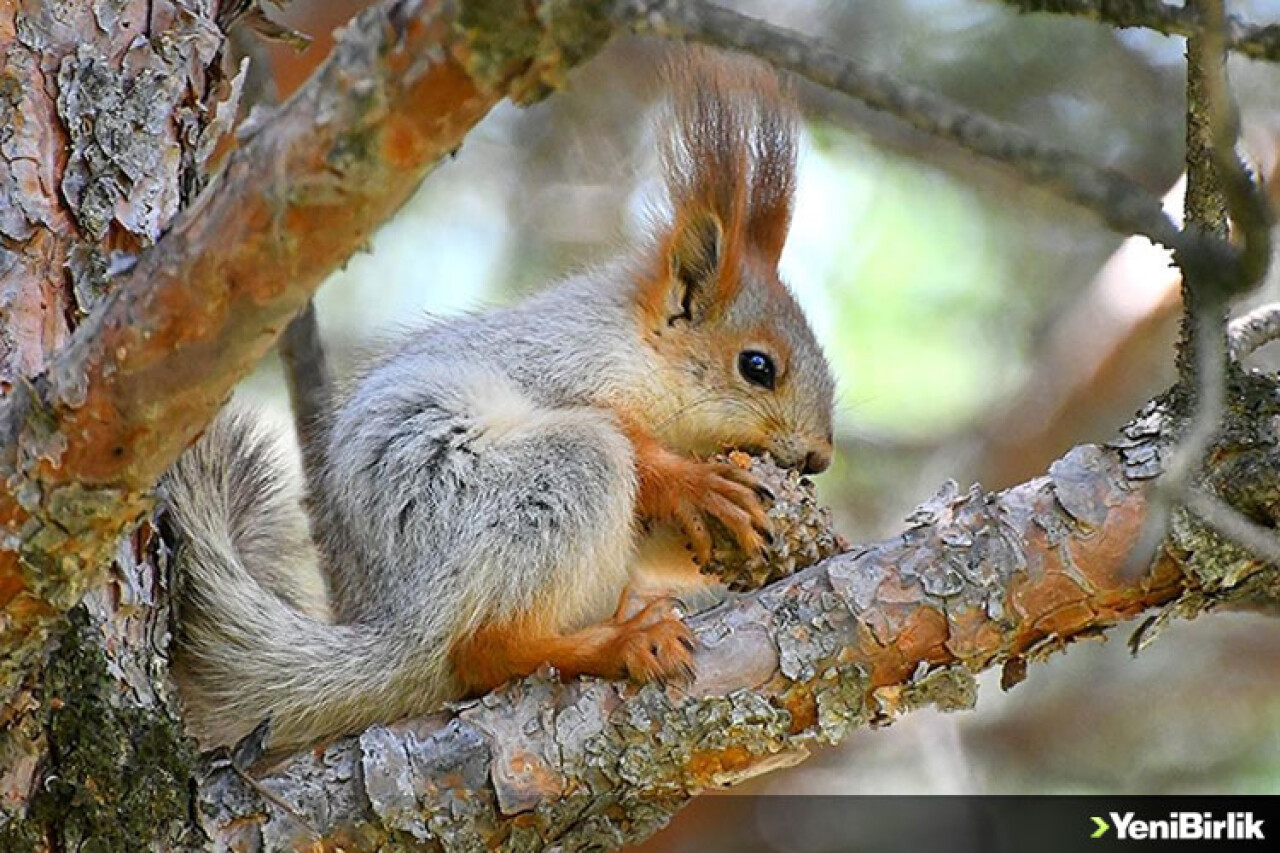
(653, 643)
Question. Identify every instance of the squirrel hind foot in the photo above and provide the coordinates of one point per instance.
(656, 644)
(653, 644)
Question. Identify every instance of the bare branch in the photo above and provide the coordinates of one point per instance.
(1219, 188)
(306, 366)
(1122, 203)
(402, 87)
(976, 581)
(1252, 331)
(1185, 459)
(307, 373)
(1257, 42)
(1246, 206)
(1262, 542)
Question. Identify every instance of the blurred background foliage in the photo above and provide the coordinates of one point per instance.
(956, 304)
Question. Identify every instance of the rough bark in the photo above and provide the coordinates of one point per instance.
(1259, 42)
(104, 137)
(977, 580)
(109, 113)
(84, 443)
(116, 352)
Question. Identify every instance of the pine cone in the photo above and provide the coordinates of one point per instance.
(802, 530)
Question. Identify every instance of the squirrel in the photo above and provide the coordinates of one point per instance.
(489, 486)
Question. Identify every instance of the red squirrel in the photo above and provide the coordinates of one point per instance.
(487, 484)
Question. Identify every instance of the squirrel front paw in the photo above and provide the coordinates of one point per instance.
(688, 491)
(655, 644)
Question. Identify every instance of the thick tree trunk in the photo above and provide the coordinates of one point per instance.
(82, 445)
(109, 113)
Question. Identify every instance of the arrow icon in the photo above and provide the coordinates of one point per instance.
(1102, 827)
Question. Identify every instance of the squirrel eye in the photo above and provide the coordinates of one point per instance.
(757, 368)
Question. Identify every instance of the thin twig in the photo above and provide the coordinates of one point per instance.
(306, 371)
(1219, 188)
(1245, 335)
(1257, 42)
(1205, 204)
(1252, 331)
(1185, 460)
(1262, 542)
(1125, 205)
(1247, 208)
(1211, 387)
(285, 808)
(302, 354)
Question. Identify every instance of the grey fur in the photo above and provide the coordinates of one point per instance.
(468, 472)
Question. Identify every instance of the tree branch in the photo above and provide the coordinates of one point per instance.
(81, 446)
(1220, 191)
(305, 364)
(1257, 42)
(1121, 202)
(1254, 330)
(309, 379)
(976, 581)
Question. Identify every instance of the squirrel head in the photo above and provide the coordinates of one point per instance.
(729, 337)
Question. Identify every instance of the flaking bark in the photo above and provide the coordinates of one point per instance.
(81, 447)
(114, 352)
(976, 581)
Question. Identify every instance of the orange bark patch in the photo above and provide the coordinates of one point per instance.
(705, 767)
(1036, 599)
(446, 90)
(1100, 558)
(1066, 620)
(894, 589)
(802, 707)
(25, 608)
(11, 582)
(924, 637)
(973, 636)
(528, 773)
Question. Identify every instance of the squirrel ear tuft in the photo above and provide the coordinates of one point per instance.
(694, 255)
(728, 150)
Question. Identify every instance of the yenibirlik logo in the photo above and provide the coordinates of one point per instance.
(1182, 826)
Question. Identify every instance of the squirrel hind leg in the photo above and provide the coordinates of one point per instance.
(651, 644)
(560, 487)
(555, 491)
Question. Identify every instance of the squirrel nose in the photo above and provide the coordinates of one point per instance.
(817, 461)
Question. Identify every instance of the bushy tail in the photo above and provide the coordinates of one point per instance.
(253, 639)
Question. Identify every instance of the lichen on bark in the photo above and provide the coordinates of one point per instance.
(103, 726)
(119, 780)
(976, 581)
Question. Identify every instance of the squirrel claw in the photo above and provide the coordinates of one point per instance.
(656, 645)
(729, 495)
(695, 531)
(687, 492)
